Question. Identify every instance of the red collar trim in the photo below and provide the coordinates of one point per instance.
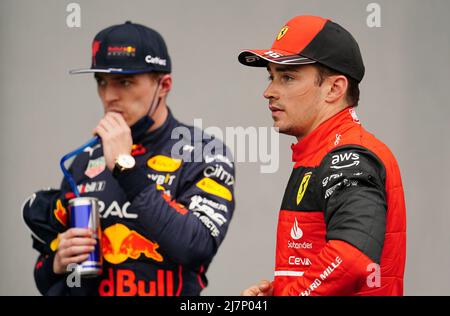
(324, 135)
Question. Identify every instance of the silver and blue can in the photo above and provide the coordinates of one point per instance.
(84, 213)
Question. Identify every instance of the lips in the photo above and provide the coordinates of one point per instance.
(274, 109)
(115, 110)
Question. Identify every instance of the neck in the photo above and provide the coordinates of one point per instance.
(159, 116)
(326, 113)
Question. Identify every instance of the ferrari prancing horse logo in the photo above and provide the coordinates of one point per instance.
(302, 188)
(282, 32)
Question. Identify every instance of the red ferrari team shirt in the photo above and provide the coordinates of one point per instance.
(342, 223)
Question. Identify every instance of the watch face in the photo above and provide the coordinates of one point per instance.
(126, 161)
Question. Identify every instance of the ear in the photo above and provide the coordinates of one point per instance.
(337, 88)
(165, 85)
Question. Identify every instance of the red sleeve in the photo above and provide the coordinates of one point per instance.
(337, 270)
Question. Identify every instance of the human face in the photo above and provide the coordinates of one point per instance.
(129, 95)
(295, 99)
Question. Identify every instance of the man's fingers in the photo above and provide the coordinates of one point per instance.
(76, 251)
(77, 232)
(78, 241)
(251, 291)
(76, 259)
(264, 285)
(118, 118)
(100, 131)
(111, 124)
(108, 123)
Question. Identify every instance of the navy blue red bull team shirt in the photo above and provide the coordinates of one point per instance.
(161, 224)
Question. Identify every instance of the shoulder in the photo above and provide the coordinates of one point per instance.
(192, 144)
(359, 136)
(351, 166)
(351, 157)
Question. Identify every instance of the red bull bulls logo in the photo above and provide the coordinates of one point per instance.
(120, 243)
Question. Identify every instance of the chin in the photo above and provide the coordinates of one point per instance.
(278, 125)
(283, 129)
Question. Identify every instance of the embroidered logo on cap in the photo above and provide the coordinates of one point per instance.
(155, 60)
(95, 49)
(282, 32)
(121, 51)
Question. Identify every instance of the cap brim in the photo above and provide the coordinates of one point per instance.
(261, 57)
(108, 71)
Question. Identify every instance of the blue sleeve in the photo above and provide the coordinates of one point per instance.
(44, 276)
(45, 214)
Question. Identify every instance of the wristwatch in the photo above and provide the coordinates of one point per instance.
(123, 163)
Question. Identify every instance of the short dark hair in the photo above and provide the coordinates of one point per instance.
(352, 94)
(155, 75)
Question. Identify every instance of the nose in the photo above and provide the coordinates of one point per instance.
(109, 94)
(270, 92)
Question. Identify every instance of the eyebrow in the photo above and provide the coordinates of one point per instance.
(283, 69)
(121, 77)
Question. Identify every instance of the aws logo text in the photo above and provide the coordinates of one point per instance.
(347, 160)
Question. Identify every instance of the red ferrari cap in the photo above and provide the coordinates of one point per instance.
(307, 40)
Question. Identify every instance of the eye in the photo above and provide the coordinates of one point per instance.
(100, 82)
(286, 78)
(125, 82)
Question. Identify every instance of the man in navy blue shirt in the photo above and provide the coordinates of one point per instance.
(165, 203)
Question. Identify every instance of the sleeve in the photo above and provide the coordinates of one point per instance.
(44, 276)
(45, 214)
(352, 181)
(189, 227)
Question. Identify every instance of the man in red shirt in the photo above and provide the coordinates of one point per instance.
(342, 223)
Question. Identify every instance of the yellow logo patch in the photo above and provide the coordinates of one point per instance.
(303, 186)
(210, 186)
(164, 163)
(54, 244)
(283, 32)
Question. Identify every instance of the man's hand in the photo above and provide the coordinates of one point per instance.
(264, 288)
(116, 137)
(74, 246)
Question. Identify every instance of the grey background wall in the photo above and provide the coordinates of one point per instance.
(44, 113)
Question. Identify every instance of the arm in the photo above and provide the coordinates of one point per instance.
(45, 213)
(190, 226)
(44, 276)
(189, 230)
(45, 220)
(355, 216)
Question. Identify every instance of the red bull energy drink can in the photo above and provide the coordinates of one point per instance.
(84, 213)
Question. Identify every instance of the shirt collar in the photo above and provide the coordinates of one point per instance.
(326, 134)
(162, 133)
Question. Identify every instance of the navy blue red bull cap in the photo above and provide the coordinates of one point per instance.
(307, 40)
(128, 48)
